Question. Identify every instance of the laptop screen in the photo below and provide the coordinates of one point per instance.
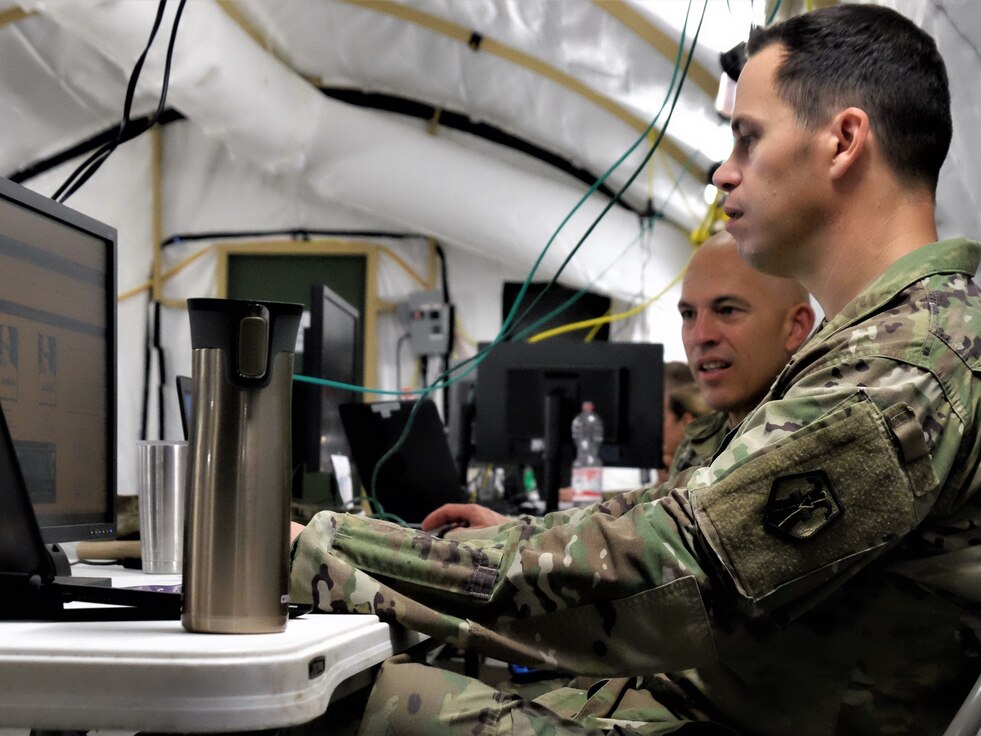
(22, 551)
(420, 476)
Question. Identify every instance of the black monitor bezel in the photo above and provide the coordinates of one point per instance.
(46, 208)
(309, 401)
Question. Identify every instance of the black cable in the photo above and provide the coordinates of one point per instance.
(161, 372)
(134, 76)
(126, 130)
(26, 173)
(298, 234)
(442, 272)
(147, 364)
(450, 326)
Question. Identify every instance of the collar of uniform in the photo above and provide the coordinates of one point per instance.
(706, 426)
(957, 255)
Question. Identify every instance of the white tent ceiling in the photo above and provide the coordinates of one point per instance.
(480, 123)
(575, 81)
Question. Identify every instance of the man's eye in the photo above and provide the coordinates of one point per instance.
(686, 314)
(746, 140)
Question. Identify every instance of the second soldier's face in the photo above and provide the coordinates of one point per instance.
(735, 338)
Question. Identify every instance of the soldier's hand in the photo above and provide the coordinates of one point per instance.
(463, 514)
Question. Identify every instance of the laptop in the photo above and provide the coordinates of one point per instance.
(29, 584)
(421, 475)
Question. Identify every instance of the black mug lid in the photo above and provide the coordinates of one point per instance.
(250, 332)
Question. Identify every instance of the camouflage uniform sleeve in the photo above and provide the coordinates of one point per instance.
(616, 506)
(580, 597)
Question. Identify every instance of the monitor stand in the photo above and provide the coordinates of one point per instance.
(551, 455)
(61, 563)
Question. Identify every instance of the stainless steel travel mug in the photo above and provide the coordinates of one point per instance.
(236, 543)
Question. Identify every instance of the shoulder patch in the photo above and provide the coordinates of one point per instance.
(801, 505)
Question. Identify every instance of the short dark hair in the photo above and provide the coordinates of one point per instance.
(687, 399)
(874, 58)
(676, 373)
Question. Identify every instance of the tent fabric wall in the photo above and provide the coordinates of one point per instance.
(951, 24)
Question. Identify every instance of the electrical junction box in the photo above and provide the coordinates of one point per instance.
(430, 322)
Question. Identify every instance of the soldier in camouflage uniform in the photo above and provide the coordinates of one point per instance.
(682, 406)
(703, 438)
(820, 576)
(739, 328)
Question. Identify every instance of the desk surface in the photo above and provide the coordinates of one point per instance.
(154, 675)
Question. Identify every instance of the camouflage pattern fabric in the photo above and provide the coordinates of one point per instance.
(411, 699)
(819, 577)
(701, 440)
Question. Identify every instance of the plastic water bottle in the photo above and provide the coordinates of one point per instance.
(587, 468)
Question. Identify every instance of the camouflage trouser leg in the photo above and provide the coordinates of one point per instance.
(411, 698)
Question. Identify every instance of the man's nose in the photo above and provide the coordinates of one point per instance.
(726, 177)
(705, 330)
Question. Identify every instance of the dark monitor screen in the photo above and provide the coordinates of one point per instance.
(331, 350)
(58, 360)
(587, 306)
(529, 393)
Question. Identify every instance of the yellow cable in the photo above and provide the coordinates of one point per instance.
(606, 318)
(713, 215)
(596, 328)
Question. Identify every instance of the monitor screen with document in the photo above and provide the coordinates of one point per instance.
(58, 360)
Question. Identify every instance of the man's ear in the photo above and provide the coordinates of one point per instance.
(800, 321)
(850, 133)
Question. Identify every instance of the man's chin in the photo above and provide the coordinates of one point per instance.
(713, 397)
(751, 252)
(764, 260)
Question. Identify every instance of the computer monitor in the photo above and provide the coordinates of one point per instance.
(529, 393)
(331, 350)
(58, 360)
